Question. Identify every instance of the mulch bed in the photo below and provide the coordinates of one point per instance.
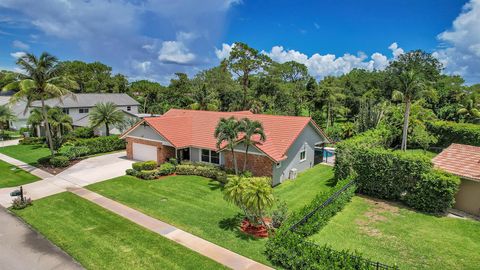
(259, 231)
(55, 171)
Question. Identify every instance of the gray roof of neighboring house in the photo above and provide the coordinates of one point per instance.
(88, 100)
(85, 121)
(17, 108)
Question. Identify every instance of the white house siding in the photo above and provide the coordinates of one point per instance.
(306, 140)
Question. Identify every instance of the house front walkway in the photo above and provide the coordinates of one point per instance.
(197, 244)
(86, 172)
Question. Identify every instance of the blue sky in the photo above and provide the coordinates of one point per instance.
(154, 39)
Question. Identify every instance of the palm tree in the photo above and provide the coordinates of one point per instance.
(250, 128)
(227, 132)
(35, 119)
(59, 121)
(41, 81)
(6, 115)
(107, 114)
(258, 196)
(233, 192)
(471, 110)
(411, 86)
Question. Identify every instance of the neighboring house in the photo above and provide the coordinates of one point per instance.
(464, 161)
(189, 135)
(79, 105)
(18, 109)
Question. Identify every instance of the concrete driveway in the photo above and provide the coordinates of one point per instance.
(23, 248)
(86, 172)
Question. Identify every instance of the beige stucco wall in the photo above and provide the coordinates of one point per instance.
(468, 197)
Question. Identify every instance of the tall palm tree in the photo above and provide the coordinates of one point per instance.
(227, 132)
(411, 87)
(6, 115)
(249, 129)
(107, 114)
(41, 80)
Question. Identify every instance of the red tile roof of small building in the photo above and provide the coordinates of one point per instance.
(185, 128)
(460, 159)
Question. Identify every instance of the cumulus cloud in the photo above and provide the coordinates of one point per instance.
(17, 54)
(321, 65)
(462, 52)
(20, 45)
(123, 33)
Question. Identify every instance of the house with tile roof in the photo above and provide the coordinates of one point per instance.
(189, 135)
(463, 161)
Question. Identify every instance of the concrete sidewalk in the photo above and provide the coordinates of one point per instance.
(86, 172)
(23, 248)
(197, 244)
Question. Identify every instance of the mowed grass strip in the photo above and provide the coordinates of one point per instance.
(393, 234)
(26, 153)
(196, 205)
(12, 176)
(99, 239)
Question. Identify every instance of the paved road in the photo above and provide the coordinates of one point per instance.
(23, 248)
(86, 172)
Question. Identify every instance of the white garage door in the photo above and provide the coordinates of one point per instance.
(144, 152)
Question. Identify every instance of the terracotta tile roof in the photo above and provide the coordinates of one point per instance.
(460, 159)
(184, 128)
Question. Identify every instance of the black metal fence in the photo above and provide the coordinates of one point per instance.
(375, 265)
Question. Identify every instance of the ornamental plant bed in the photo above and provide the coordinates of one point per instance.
(54, 170)
(260, 231)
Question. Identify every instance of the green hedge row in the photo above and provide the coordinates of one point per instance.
(289, 248)
(452, 132)
(204, 170)
(85, 147)
(394, 175)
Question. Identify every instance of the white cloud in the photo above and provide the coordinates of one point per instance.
(17, 54)
(396, 51)
(143, 67)
(224, 52)
(20, 45)
(327, 64)
(175, 52)
(462, 54)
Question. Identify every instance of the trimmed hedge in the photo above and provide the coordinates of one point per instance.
(452, 132)
(204, 170)
(147, 174)
(32, 140)
(434, 193)
(94, 145)
(395, 175)
(144, 165)
(291, 250)
(83, 132)
(166, 169)
(59, 161)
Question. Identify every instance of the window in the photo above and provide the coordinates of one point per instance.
(83, 110)
(66, 110)
(210, 156)
(303, 155)
(205, 155)
(129, 108)
(214, 157)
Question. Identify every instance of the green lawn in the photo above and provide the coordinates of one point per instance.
(296, 193)
(196, 205)
(99, 239)
(13, 176)
(392, 234)
(430, 154)
(26, 153)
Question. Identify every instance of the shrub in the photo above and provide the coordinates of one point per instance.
(83, 132)
(100, 144)
(452, 132)
(59, 161)
(279, 214)
(384, 173)
(18, 204)
(166, 169)
(44, 161)
(32, 140)
(434, 193)
(147, 174)
(173, 161)
(75, 152)
(201, 169)
(131, 172)
(144, 165)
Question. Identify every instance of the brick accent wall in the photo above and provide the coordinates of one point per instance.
(257, 164)
(164, 152)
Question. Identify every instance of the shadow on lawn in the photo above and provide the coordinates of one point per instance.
(215, 185)
(233, 224)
